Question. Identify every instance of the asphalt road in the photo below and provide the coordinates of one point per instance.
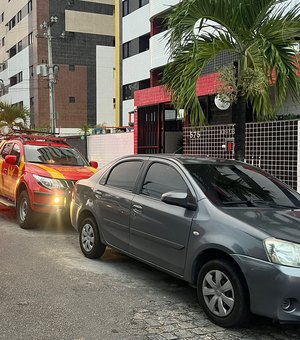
(49, 290)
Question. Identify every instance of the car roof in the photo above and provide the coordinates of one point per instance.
(36, 139)
(188, 159)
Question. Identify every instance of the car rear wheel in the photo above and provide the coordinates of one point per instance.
(222, 294)
(24, 212)
(89, 239)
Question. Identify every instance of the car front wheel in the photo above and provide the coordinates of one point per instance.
(24, 212)
(89, 239)
(222, 294)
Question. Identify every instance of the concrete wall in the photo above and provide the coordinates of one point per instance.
(105, 148)
(105, 78)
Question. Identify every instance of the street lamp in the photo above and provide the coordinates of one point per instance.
(51, 72)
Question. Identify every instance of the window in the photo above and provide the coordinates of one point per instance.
(30, 36)
(13, 80)
(6, 149)
(129, 6)
(159, 25)
(2, 17)
(3, 41)
(19, 46)
(124, 175)
(234, 185)
(162, 178)
(125, 6)
(129, 89)
(46, 154)
(144, 43)
(135, 46)
(29, 6)
(19, 16)
(16, 152)
(71, 67)
(16, 79)
(13, 51)
(143, 2)
(72, 99)
(126, 49)
(20, 77)
(12, 23)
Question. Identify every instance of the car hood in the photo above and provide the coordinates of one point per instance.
(282, 224)
(61, 172)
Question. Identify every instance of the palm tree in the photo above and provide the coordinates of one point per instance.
(13, 116)
(261, 34)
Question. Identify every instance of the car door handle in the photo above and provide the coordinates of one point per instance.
(98, 193)
(137, 209)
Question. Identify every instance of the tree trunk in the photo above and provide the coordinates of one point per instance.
(239, 118)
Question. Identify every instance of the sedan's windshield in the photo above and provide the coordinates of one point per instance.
(56, 155)
(236, 185)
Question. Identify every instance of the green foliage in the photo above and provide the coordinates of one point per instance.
(261, 33)
(86, 129)
(14, 117)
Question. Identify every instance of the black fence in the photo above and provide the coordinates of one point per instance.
(272, 146)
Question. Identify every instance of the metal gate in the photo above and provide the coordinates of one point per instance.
(150, 130)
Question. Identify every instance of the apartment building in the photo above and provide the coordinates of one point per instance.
(82, 36)
(143, 57)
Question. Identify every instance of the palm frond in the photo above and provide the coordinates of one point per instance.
(260, 32)
(182, 74)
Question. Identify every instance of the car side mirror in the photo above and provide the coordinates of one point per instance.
(11, 159)
(94, 164)
(181, 199)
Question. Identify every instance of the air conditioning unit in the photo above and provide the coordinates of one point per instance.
(42, 70)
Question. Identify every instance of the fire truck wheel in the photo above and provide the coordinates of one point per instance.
(24, 211)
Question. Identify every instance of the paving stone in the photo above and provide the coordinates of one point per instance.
(199, 331)
(183, 317)
(155, 337)
(183, 334)
(186, 325)
(168, 328)
(169, 336)
(169, 321)
(153, 323)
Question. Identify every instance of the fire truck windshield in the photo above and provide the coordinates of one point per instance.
(58, 155)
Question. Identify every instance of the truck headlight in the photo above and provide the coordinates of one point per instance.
(282, 252)
(49, 183)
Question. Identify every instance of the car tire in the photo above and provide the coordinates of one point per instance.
(24, 212)
(89, 239)
(222, 293)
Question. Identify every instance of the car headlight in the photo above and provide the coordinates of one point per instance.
(49, 183)
(282, 252)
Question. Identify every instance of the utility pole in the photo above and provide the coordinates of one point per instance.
(52, 70)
